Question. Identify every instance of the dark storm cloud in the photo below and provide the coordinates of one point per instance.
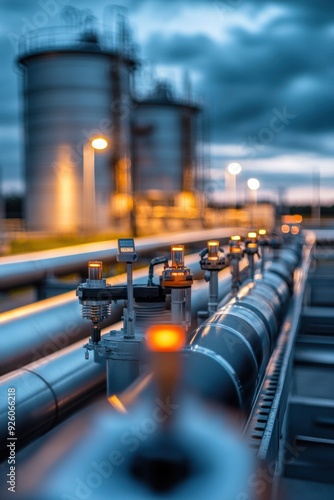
(287, 65)
(315, 10)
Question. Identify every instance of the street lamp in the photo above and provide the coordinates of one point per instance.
(253, 186)
(99, 143)
(233, 169)
(89, 206)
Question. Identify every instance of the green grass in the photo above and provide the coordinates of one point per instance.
(38, 244)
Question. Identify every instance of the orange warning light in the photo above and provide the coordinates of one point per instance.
(165, 338)
(285, 228)
(213, 248)
(95, 270)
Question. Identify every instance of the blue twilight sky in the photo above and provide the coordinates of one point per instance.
(263, 68)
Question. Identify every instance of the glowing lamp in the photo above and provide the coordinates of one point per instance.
(99, 143)
(292, 219)
(95, 270)
(253, 184)
(213, 248)
(234, 168)
(177, 254)
(234, 244)
(295, 230)
(165, 338)
(251, 235)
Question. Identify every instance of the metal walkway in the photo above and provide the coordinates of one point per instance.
(309, 470)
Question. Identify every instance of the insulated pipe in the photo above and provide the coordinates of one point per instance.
(277, 283)
(251, 301)
(233, 346)
(238, 337)
(48, 390)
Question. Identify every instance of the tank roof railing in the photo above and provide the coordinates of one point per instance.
(75, 38)
(164, 91)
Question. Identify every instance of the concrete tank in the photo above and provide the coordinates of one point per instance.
(76, 86)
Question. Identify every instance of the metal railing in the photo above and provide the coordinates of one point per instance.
(75, 38)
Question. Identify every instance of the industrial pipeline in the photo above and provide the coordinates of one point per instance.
(224, 364)
(52, 325)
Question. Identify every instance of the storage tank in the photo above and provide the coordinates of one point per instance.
(76, 86)
(165, 156)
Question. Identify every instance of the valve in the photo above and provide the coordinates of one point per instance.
(178, 278)
(212, 261)
(94, 298)
(234, 256)
(263, 242)
(251, 249)
(122, 350)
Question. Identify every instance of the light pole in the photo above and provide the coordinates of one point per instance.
(316, 210)
(253, 186)
(89, 205)
(231, 172)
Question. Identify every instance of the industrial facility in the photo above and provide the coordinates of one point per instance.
(78, 84)
(165, 332)
(217, 383)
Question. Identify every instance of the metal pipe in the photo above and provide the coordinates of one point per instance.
(26, 269)
(130, 323)
(213, 293)
(47, 391)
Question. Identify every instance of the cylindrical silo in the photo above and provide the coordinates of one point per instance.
(76, 87)
(164, 155)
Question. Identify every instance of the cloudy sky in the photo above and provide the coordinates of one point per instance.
(263, 68)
